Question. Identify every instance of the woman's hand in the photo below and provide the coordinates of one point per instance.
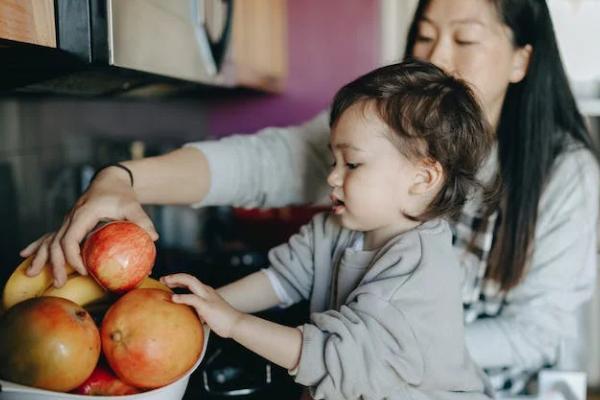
(219, 315)
(110, 196)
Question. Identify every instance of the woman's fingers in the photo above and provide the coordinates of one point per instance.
(80, 223)
(187, 282)
(60, 275)
(57, 257)
(97, 203)
(140, 218)
(41, 255)
(32, 247)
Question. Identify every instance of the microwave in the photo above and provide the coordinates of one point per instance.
(106, 47)
(182, 39)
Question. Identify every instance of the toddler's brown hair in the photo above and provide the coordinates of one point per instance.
(433, 116)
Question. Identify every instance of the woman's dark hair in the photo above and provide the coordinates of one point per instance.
(539, 120)
(433, 117)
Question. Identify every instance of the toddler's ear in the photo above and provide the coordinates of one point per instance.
(428, 178)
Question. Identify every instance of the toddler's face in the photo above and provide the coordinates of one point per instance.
(371, 180)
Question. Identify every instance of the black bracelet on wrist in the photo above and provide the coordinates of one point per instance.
(118, 165)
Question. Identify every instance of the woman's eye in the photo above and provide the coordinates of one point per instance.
(332, 165)
(466, 38)
(352, 165)
(424, 39)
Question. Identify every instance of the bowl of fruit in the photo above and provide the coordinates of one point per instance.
(111, 337)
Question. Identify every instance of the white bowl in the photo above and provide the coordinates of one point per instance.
(172, 391)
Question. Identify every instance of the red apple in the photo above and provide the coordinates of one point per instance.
(103, 382)
(119, 255)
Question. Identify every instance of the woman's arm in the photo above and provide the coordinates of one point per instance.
(540, 312)
(167, 179)
(277, 166)
(179, 177)
(273, 168)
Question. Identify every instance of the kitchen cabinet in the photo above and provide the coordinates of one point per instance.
(29, 21)
(93, 48)
(259, 44)
(233, 43)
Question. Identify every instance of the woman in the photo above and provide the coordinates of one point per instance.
(529, 260)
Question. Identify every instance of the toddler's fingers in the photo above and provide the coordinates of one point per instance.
(185, 281)
(190, 300)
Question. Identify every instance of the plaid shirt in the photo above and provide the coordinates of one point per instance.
(473, 233)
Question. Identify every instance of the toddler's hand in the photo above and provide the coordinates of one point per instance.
(210, 306)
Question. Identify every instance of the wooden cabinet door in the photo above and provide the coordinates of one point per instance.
(30, 21)
(259, 44)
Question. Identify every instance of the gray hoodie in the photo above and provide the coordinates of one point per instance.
(385, 324)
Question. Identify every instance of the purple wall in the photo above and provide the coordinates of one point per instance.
(330, 42)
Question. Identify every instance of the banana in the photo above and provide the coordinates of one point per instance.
(153, 284)
(80, 289)
(21, 287)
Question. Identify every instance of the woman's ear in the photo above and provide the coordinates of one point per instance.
(428, 177)
(521, 58)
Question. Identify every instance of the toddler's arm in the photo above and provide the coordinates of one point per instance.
(277, 343)
(250, 294)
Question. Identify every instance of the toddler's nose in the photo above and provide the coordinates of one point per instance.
(334, 179)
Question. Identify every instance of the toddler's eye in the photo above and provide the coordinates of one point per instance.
(332, 165)
(352, 165)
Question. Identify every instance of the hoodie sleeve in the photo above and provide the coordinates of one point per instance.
(293, 263)
(366, 350)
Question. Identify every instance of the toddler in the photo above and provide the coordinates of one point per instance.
(379, 270)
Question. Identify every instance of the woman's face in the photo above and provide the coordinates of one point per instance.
(467, 39)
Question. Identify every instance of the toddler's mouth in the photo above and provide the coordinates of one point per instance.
(335, 201)
(337, 205)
